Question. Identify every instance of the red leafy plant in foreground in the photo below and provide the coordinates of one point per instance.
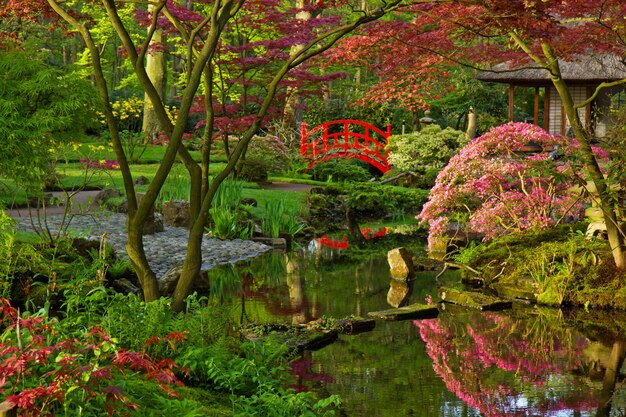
(46, 368)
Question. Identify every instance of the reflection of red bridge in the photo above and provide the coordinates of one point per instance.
(345, 139)
(367, 232)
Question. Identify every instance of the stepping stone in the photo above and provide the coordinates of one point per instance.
(414, 311)
(515, 292)
(473, 299)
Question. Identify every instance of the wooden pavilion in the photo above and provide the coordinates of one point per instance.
(583, 76)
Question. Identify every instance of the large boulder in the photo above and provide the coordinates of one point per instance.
(176, 213)
(168, 282)
(103, 196)
(400, 264)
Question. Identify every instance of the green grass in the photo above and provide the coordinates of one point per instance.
(294, 200)
(73, 175)
(307, 181)
(90, 150)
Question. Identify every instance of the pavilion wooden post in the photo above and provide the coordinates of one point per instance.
(546, 110)
(511, 100)
(536, 107)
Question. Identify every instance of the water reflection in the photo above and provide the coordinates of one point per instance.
(400, 292)
(522, 362)
(503, 365)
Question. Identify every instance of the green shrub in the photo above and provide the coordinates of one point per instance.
(340, 170)
(7, 239)
(376, 201)
(42, 107)
(430, 147)
(253, 169)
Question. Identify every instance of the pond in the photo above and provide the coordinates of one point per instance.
(527, 361)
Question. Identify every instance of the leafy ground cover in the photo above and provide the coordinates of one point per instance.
(116, 355)
(560, 265)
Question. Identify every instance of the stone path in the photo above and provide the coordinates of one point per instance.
(164, 249)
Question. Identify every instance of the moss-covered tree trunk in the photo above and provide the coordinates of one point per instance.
(605, 200)
(549, 62)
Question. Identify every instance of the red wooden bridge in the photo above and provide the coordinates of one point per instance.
(345, 139)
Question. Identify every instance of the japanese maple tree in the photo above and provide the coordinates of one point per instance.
(202, 27)
(541, 34)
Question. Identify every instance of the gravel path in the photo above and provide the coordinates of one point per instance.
(164, 249)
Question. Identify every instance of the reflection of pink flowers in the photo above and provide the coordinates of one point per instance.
(101, 164)
(494, 363)
(303, 370)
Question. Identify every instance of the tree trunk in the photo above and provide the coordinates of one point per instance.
(137, 255)
(156, 70)
(615, 237)
(294, 99)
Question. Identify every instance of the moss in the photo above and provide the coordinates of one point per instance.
(560, 264)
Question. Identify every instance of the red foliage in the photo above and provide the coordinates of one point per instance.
(412, 53)
(40, 367)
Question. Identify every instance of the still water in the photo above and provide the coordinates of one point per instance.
(527, 361)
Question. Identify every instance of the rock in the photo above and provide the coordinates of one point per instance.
(473, 299)
(141, 180)
(275, 242)
(85, 247)
(176, 213)
(399, 292)
(400, 264)
(249, 202)
(413, 311)
(104, 195)
(168, 282)
(299, 339)
(350, 325)
(122, 208)
(354, 325)
(124, 286)
(510, 291)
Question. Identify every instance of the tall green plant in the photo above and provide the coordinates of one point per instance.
(226, 222)
(228, 194)
(273, 217)
(7, 239)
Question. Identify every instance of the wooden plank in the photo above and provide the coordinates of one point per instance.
(414, 311)
(473, 299)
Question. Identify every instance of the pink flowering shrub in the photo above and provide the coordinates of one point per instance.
(494, 186)
(272, 150)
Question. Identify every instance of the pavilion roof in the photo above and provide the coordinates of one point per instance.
(584, 70)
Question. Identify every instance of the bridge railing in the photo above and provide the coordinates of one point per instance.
(346, 139)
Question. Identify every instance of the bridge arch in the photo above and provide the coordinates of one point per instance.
(345, 139)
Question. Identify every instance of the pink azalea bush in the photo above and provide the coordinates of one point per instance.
(494, 186)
